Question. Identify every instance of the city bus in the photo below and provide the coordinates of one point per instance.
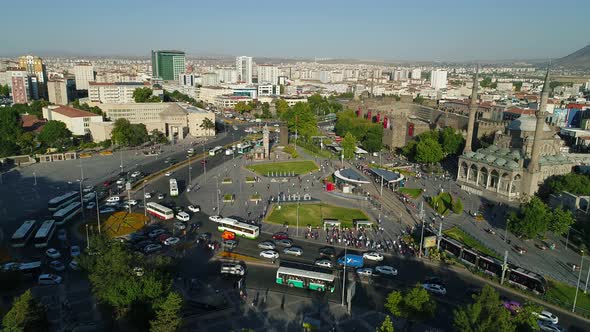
(215, 150)
(244, 148)
(159, 211)
(62, 201)
(305, 278)
(23, 234)
(44, 234)
(173, 187)
(239, 228)
(67, 213)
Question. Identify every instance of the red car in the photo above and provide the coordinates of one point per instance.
(280, 236)
(107, 183)
(163, 237)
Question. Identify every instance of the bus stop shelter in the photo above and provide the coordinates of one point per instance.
(329, 223)
(364, 223)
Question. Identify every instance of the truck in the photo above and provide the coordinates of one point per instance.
(233, 269)
(350, 260)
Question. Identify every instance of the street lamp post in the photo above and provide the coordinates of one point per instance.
(567, 238)
(578, 284)
(587, 277)
(145, 199)
(344, 274)
(35, 177)
(97, 212)
(297, 229)
(121, 165)
(188, 188)
(217, 193)
(422, 229)
(82, 196)
(506, 231)
(87, 238)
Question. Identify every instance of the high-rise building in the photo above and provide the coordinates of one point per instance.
(20, 85)
(416, 73)
(210, 79)
(268, 74)
(244, 68)
(227, 75)
(113, 93)
(167, 65)
(84, 74)
(34, 66)
(61, 91)
(438, 79)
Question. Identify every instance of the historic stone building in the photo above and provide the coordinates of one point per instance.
(520, 159)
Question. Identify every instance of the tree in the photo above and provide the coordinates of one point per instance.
(451, 141)
(10, 129)
(126, 134)
(26, 314)
(428, 151)
(457, 206)
(348, 145)
(418, 304)
(373, 140)
(55, 134)
(394, 303)
(4, 90)
(560, 221)
(242, 107)
(485, 314)
(168, 314)
(517, 86)
(386, 326)
(207, 125)
(533, 219)
(577, 184)
(158, 137)
(301, 119)
(281, 107)
(144, 95)
(526, 320)
(26, 142)
(266, 111)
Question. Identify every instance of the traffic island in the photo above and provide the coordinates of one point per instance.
(256, 198)
(444, 203)
(124, 223)
(287, 168)
(313, 214)
(411, 192)
(226, 181)
(250, 179)
(228, 198)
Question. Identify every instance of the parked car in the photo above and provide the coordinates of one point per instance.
(49, 279)
(284, 242)
(365, 272)
(296, 251)
(323, 263)
(435, 288)
(194, 208)
(271, 254)
(171, 241)
(163, 237)
(373, 256)
(74, 265)
(156, 232)
(52, 253)
(150, 248)
(215, 218)
(548, 326)
(513, 306)
(268, 245)
(229, 244)
(106, 209)
(57, 266)
(386, 270)
(547, 316)
(179, 225)
(147, 195)
(183, 216)
(91, 206)
(75, 251)
(132, 202)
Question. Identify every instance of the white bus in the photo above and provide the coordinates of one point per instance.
(67, 213)
(304, 278)
(173, 187)
(241, 229)
(44, 234)
(159, 211)
(62, 201)
(23, 234)
(215, 150)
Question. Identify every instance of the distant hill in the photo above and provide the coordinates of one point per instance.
(580, 58)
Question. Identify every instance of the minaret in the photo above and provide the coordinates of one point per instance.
(534, 166)
(472, 112)
(266, 141)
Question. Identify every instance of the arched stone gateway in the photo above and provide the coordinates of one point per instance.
(483, 177)
(505, 183)
(463, 170)
(494, 178)
(516, 181)
(473, 173)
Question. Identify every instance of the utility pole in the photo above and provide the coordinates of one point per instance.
(188, 188)
(344, 274)
(35, 176)
(504, 267)
(145, 199)
(217, 193)
(587, 277)
(82, 196)
(381, 193)
(87, 238)
(439, 235)
(97, 212)
(297, 229)
(568, 236)
(421, 215)
(506, 232)
(578, 284)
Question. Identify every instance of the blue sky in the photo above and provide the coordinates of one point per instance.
(437, 30)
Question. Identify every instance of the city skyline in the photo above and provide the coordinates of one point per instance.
(429, 31)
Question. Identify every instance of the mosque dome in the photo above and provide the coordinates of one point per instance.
(512, 164)
(526, 123)
(500, 162)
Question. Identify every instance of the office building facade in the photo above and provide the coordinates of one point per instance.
(438, 79)
(267, 74)
(34, 67)
(167, 65)
(61, 91)
(244, 69)
(77, 121)
(113, 93)
(84, 74)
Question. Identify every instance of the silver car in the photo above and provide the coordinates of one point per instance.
(284, 242)
(323, 263)
(267, 245)
(296, 251)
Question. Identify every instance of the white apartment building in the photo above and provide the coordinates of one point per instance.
(210, 79)
(416, 73)
(244, 69)
(227, 75)
(77, 121)
(438, 79)
(188, 79)
(84, 73)
(230, 101)
(113, 93)
(268, 90)
(292, 100)
(267, 74)
(207, 94)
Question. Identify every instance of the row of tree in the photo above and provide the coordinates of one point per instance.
(4, 90)
(179, 96)
(434, 145)
(145, 95)
(535, 219)
(366, 132)
(88, 108)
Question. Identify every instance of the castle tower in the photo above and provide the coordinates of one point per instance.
(472, 112)
(266, 142)
(534, 166)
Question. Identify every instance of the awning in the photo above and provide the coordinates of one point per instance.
(360, 151)
(388, 176)
(351, 176)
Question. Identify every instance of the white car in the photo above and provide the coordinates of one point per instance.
(365, 272)
(386, 270)
(75, 251)
(49, 279)
(179, 225)
(547, 316)
(548, 326)
(74, 265)
(183, 216)
(52, 253)
(296, 251)
(132, 202)
(147, 195)
(135, 174)
(323, 263)
(160, 196)
(271, 254)
(121, 181)
(171, 241)
(267, 245)
(114, 199)
(57, 266)
(373, 256)
(435, 288)
(168, 173)
(91, 206)
(194, 208)
(215, 218)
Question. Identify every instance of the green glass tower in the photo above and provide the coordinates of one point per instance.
(166, 65)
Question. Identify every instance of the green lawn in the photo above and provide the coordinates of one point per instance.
(313, 214)
(442, 203)
(468, 240)
(412, 192)
(563, 295)
(298, 167)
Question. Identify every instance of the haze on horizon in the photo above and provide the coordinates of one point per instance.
(427, 30)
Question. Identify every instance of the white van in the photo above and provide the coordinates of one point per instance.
(232, 268)
(49, 279)
(113, 199)
(229, 152)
